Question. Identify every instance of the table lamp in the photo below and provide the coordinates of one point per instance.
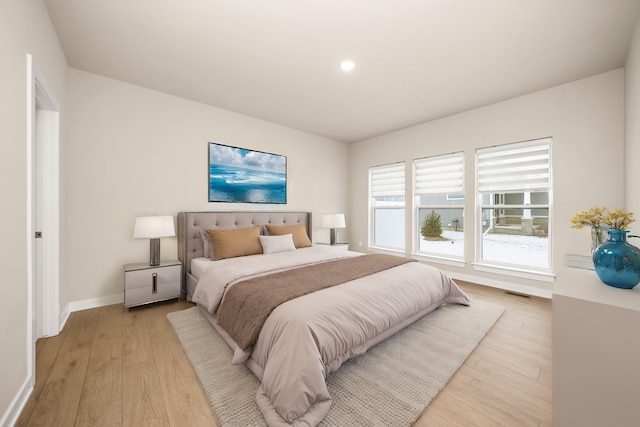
(333, 221)
(154, 227)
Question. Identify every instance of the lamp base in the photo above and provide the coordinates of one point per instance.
(332, 236)
(154, 252)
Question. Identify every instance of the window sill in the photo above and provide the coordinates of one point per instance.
(452, 262)
(541, 276)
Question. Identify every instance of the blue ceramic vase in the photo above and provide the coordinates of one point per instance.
(617, 263)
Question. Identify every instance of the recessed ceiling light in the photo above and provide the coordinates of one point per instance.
(347, 64)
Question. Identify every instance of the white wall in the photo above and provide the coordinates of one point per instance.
(632, 131)
(24, 28)
(585, 119)
(133, 151)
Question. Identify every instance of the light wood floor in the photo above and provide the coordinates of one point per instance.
(114, 367)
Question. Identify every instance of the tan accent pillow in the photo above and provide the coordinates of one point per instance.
(299, 231)
(235, 242)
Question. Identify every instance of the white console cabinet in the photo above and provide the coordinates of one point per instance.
(596, 352)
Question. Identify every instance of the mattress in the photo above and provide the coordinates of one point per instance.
(198, 265)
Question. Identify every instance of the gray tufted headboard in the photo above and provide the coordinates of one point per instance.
(190, 223)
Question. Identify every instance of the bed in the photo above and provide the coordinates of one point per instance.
(292, 311)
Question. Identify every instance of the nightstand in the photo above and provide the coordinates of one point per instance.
(145, 284)
(338, 246)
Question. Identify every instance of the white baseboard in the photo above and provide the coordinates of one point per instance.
(64, 316)
(13, 412)
(89, 303)
(507, 286)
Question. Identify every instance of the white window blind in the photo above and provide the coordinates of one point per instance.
(519, 167)
(387, 180)
(440, 174)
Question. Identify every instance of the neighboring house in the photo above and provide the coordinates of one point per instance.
(526, 222)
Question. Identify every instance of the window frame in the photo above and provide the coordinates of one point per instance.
(439, 175)
(538, 183)
(389, 187)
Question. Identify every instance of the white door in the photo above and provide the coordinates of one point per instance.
(37, 223)
(43, 213)
(45, 222)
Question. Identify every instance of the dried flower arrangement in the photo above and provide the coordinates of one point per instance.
(603, 218)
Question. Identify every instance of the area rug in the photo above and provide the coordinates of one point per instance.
(391, 384)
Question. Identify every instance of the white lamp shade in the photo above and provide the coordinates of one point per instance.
(153, 227)
(333, 221)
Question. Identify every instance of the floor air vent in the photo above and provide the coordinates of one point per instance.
(516, 294)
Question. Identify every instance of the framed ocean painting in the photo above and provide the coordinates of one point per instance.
(238, 175)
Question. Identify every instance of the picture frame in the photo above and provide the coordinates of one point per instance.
(241, 175)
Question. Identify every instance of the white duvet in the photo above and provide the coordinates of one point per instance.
(305, 339)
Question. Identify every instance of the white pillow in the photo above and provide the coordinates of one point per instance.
(206, 242)
(274, 244)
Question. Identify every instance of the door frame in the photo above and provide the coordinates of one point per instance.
(40, 96)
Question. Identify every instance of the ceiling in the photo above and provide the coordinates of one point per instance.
(278, 60)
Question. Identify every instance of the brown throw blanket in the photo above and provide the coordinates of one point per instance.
(248, 303)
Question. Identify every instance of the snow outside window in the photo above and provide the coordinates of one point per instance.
(514, 205)
(439, 200)
(386, 189)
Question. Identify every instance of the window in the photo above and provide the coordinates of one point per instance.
(386, 186)
(514, 188)
(439, 200)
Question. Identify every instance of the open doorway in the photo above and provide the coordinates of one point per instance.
(43, 209)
